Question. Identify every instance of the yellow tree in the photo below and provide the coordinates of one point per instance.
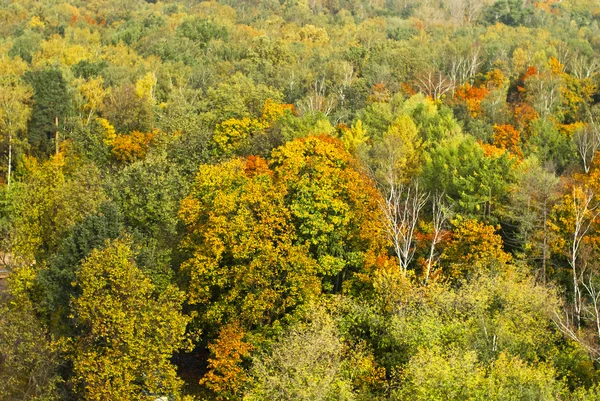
(127, 332)
(247, 270)
(48, 200)
(232, 134)
(397, 157)
(246, 262)
(15, 100)
(28, 354)
(473, 245)
(14, 113)
(354, 138)
(94, 93)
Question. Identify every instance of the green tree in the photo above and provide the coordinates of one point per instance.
(532, 200)
(508, 12)
(475, 183)
(56, 281)
(201, 31)
(333, 206)
(51, 105)
(148, 193)
(28, 356)
(306, 363)
(551, 146)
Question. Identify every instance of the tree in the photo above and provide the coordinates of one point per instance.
(238, 97)
(440, 214)
(400, 211)
(94, 93)
(397, 157)
(552, 146)
(126, 333)
(226, 377)
(454, 375)
(472, 96)
(434, 84)
(544, 93)
(51, 104)
(247, 262)
(507, 137)
(128, 148)
(581, 212)
(334, 207)
(14, 114)
(57, 279)
(474, 245)
(127, 110)
(508, 12)
(587, 141)
(592, 310)
(47, 202)
(201, 31)
(306, 363)
(238, 135)
(582, 66)
(533, 199)
(355, 138)
(148, 192)
(395, 162)
(28, 354)
(231, 134)
(446, 334)
(474, 177)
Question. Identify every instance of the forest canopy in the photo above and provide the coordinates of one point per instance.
(299, 200)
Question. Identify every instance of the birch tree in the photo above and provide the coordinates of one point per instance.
(584, 214)
(440, 213)
(401, 209)
(14, 113)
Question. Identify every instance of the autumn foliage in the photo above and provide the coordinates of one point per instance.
(472, 247)
(127, 148)
(316, 200)
(472, 96)
(507, 137)
(226, 375)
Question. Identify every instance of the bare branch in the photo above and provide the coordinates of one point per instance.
(584, 216)
(440, 214)
(401, 208)
(587, 141)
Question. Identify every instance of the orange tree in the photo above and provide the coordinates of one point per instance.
(226, 376)
(507, 137)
